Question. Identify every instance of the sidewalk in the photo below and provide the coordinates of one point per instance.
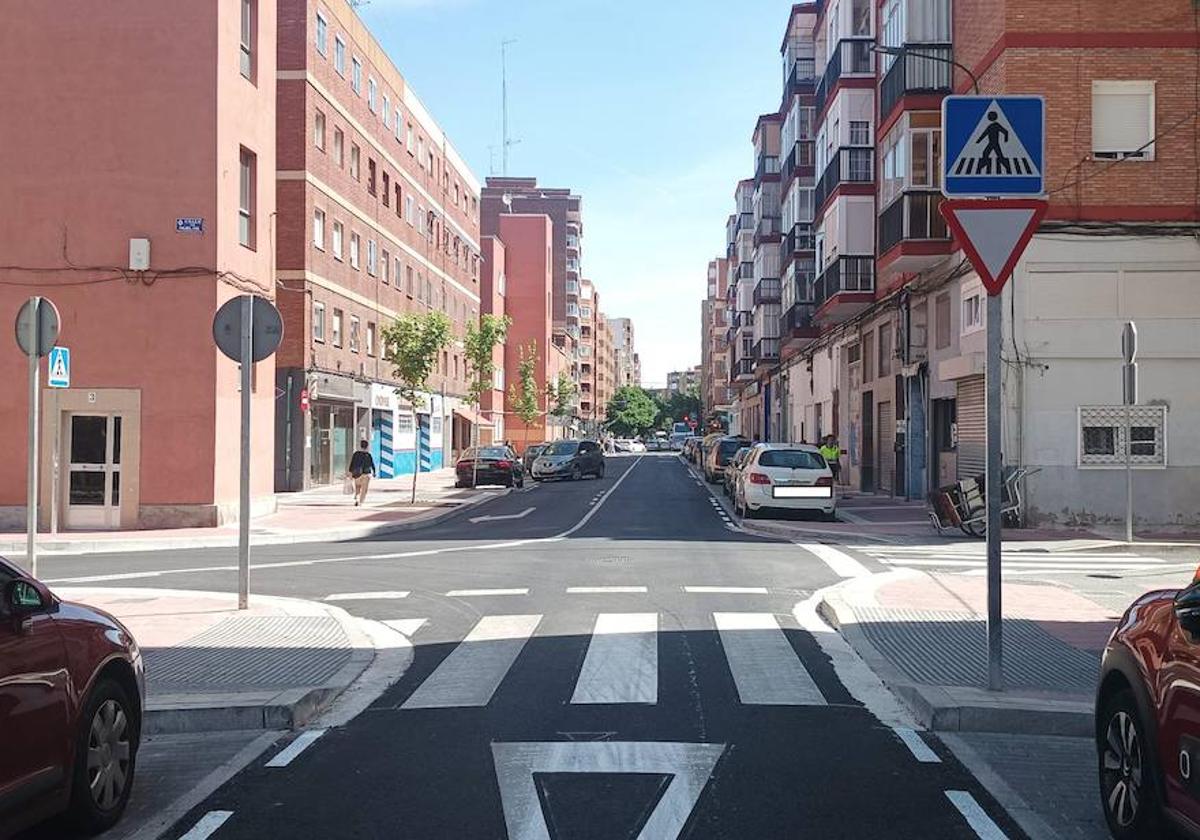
(319, 515)
(925, 635)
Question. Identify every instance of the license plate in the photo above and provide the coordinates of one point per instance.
(801, 492)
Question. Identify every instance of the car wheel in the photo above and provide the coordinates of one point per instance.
(459, 485)
(830, 517)
(1127, 780)
(105, 755)
(576, 473)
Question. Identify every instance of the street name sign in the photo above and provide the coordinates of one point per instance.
(994, 234)
(995, 146)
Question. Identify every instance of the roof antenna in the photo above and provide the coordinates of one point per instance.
(505, 141)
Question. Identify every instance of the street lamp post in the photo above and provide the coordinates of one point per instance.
(903, 51)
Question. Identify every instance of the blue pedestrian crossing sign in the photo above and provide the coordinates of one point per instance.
(995, 146)
(59, 367)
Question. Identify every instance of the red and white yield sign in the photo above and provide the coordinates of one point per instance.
(994, 233)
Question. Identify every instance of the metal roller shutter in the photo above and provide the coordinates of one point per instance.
(885, 448)
(972, 427)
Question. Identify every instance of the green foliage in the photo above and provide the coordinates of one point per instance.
(479, 343)
(411, 345)
(523, 394)
(562, 394)
(679, 404)
(631, 411)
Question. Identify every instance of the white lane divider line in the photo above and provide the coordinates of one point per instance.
(288, 754)
(916, 745)
(472, 672)
(604, 590)
(484, 593)
(975, 816)
(621, 665)
(840, 562)
(367, 596)
(406, 627)
(208, 824)
(765, 668)
(726, 590)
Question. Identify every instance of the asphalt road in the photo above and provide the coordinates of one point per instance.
(617, 663)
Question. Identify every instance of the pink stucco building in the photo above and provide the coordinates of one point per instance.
(129, 124)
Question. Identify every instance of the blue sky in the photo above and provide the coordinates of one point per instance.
(643, 108)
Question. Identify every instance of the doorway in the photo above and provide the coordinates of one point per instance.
(868, 442)
(93, 486)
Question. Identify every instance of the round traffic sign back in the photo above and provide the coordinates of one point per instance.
(266, 328)
(37, 326)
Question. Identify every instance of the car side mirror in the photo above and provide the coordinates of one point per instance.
(24, 597)
(1187, 609)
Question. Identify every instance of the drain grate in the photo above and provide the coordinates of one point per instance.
(950, 648)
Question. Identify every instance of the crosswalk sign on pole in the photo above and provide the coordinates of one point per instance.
(995, 146)
(59, 366)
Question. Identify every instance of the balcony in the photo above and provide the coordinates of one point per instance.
(799, 161)
(802, 78)
(767, 165)
(798, 240)
(851, 57)
(796, 325)
(572, 310)
(573, 288)
(742, 370)
(766, 351)
(573, 242)
(768, 227)
(926, 69)
(745, 270)
(850, 165)
(745, 221)
(845, 287)
(768, 290)
(913, 223)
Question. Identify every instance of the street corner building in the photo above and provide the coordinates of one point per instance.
(142, 197)
(850, 310)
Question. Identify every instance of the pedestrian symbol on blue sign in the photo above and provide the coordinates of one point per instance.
(995, 146)
(59, 365)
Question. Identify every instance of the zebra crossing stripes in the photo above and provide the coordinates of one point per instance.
(972, 560)
(472, 672)
(621, 665)
(765, 669)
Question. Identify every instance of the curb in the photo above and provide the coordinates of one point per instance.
(47, 547)
(954, 708)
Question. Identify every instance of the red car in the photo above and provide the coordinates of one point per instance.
(1148, 717)
(72, 689)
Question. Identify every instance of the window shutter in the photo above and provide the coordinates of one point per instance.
(1122, 116)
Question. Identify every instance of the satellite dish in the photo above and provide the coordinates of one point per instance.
(507, 199)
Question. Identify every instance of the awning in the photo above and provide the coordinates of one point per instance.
(470, 416)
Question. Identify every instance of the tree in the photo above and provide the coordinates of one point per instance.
(678, 405)
(631, 411)
(411, 345)
(562, 394)
(523, 394)
(479, 346)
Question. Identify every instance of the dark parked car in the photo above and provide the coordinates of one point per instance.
(72, 689)
(531, 452)
(569, 459)
(730, 473)
(489, 465)
(717, 454)
(1148, 717)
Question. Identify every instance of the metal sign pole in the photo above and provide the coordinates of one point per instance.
(995, 314)
(244, 499)
(31, 499)
(1129, 396)
(54, 475)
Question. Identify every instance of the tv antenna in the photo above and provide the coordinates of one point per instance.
(505, 142)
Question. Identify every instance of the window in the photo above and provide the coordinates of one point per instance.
(926, 147)
(339, 55)
(1102, 436)
(421, 151)
(384, 264)
(246, 194)
(337, 328)
(372, 257)
(318, 321)
(860, 133)
(399, 205)
(404, 423)
(319, 229)
(386, 111)
(408, 282)
(249, 7)
(410, 214)
(354, 243)
(356, 75)
(354, 333)
(397, 273)
(322, 34)
(399, 126)
(354, 156)
(885, 350)
(319, 130)
(972, 313)
(868, 356)
(387, 190)
(372, 93)
(339, 145)
(337, 240)
(371, 176)
(941, 320)
(409, 142)
(370, 338)
(1123, 120)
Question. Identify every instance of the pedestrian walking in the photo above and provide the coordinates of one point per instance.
(362, 467)
(832, 454)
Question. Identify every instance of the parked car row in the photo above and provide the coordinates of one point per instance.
(765, 477)
(500, 464)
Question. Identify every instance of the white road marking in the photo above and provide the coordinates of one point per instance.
(366, 596)
(603, 590)
(976, 817)
(587, 516)
(689, 765)
(498, 516)
(842, 563)
(484, 593)
(472, 672)
(621, 665)
(406, 627)
(208, 824)
(287, 755)
(766, 671)
(916, 745)
(726, 590)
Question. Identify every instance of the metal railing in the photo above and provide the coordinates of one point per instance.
(851, 56)
(767, 165)
(797, 318)
(921, 68)
(742, 367)
(745, 221)
(767, 226)
(802, 78)
(745, 270)
(799, 238)
(849, 165)
(845, 274)
(799, 160)
(768, 290)
(766, 350)
(912, 216)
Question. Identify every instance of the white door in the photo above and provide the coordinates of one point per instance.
(93, 486)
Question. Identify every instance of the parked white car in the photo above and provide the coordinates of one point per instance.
(784, 476)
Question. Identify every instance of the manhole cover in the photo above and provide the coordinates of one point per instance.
(612, 561)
